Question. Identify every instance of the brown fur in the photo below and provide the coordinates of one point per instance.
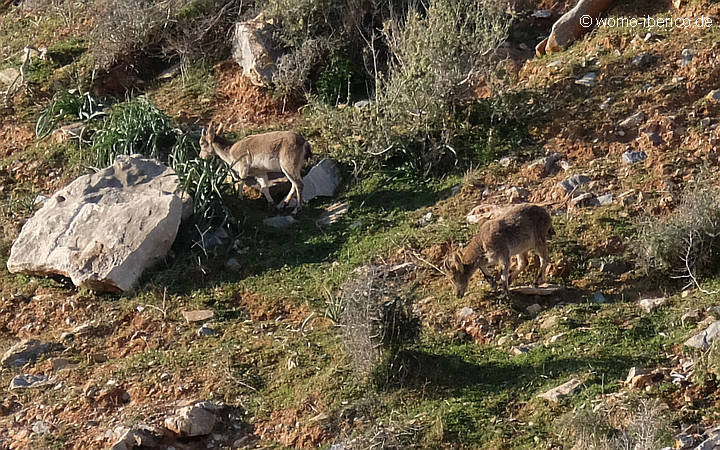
(517, 231)
(260, 154)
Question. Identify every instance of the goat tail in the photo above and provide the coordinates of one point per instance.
(307, 150)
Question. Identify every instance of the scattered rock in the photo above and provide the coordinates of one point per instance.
(544, 166)
(605, 200)
(67, 132)
(518, 194)
(87, 232)
(360, 104)
(714, 310)
(255, 50)
(214, 238)
(632, 157)
(198, 315)
(598, 297)
(549, 322)
(534, 309)
(522, 349)
(206, 331)
(332, 213)
(634, 120)
(28, 381)
(683, 441)
(138, 436)
(556, 394)
(586, 199)
(616, 267)
(196, 420)
(589, 79)
(25, 351)
(642, 60)
(650, 304)
(321, 181)
(653, 137)
(571, 25)
(687, 57)
(573, 182)
(714, 96)
(506, 161)
(233, 265)
(710, 443)
(691, 317)
(41, 427)
(542, 14)
(544, 290)
(8, 76)
(280, 221)
(704, 339)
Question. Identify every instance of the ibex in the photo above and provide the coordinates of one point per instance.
(517, 231)
(260, 154)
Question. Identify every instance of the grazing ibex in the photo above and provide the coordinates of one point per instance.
(260, 154)
(517, 231)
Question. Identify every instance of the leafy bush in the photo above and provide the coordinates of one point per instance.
(334, 83)
(71, 104)
(204, 180)
(687, 244)
(433, 56)
(295, 68)
(376, 320)
(135, 126)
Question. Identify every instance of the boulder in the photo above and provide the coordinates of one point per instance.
(572, 25)
(28, 381)
(25, 351)
(704, 339)
(254, 49)
(197, 420)
(104, 229)
(322, 181)
(8, 76)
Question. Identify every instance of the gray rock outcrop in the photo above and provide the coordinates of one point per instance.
(103, 230)
(572, 25)
(253, 48)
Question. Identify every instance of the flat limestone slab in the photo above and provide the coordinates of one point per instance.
(547, 289)
(103, 230)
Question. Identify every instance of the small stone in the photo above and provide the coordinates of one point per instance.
(598, 297)
(605, 200)
(59, 363)
(518, 193)
(589, 79)
(653, 137)
(586, 199)
(615, 267)
(714, 310)
(41, 427)
(631, 157)
(634, 120)
(28, 381)
(558, 393)
(649, 304)
(641, 60)
(691, 317)
(634, 371)
(522, 349)
(534, 309)
(503, 340)
(280, 221)
(704, 339)
(505, 161)
(192, 421)
(549, 322)
(205, 331)
(683, 441)
(233, 265)
(714, 96)
(198, 315)
(687, 57)
(360, 104)
(542, 14)
(573, 182)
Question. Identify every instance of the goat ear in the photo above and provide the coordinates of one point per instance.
(203, 132)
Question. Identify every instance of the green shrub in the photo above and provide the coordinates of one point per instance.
(334, 83)
(687, 244)
(134, 126)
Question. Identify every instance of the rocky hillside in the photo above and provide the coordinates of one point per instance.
(339, 329)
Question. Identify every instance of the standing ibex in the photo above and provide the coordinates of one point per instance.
(260, 154)
(517, 231)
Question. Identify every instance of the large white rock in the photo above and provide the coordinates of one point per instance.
(255, 51)
(322, 180)
(104, 229)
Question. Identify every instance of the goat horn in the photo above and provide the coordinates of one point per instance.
(219, 128)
